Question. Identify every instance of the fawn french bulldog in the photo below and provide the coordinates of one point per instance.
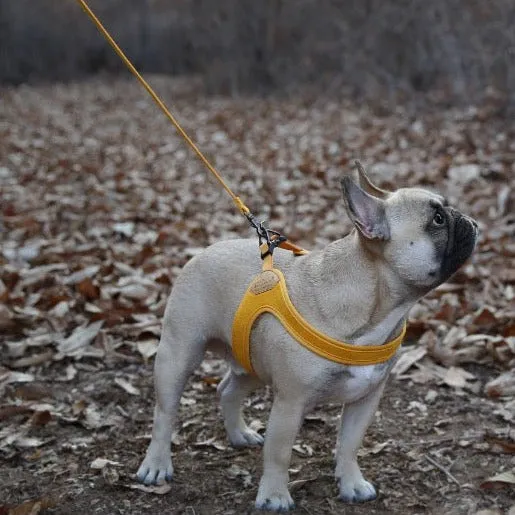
(358, 289)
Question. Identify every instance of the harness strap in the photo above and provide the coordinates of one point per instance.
(288, 245)
(267, 293)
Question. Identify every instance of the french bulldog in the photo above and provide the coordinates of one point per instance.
(358, 289)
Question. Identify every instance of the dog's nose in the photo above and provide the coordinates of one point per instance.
(472, 221)
(475, 226)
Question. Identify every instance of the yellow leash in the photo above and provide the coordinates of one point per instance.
(239, 203)
(272, 238)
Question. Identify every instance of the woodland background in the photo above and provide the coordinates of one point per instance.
(101, 205)
(463, 48)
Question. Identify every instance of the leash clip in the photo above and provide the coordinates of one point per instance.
(272, 238)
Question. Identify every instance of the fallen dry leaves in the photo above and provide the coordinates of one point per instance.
(29, 507)
(101, 205)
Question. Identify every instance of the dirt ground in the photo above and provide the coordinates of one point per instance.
(101, 205)
(399, 454)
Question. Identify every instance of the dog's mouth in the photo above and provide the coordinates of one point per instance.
(463, 234)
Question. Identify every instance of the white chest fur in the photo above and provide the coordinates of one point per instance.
(384, 329)
(350, 383)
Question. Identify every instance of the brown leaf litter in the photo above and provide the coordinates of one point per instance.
(102, 206)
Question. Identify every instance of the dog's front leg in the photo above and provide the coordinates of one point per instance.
(355, 419)
(283, 425)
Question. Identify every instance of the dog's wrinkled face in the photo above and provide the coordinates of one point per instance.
(421, 238)
(429, 240)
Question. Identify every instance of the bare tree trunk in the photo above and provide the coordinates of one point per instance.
(144, 21)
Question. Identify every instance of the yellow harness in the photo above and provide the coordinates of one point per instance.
(267, 293)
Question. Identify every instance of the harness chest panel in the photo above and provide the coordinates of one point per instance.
(267, 293)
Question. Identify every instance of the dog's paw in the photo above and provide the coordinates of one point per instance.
(155, 470)
(357, 491)
(275, 503)
(245, 438)
(274, 498)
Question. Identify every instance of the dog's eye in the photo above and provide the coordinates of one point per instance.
(439, 219)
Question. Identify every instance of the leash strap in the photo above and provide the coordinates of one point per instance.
(272, 238)
(239, 203)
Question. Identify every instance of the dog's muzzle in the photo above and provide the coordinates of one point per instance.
(461, 242)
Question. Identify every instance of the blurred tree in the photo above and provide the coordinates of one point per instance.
(378, 47)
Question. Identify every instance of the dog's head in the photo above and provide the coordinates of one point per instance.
(414, 231)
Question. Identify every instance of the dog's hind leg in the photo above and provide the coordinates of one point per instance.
(178, 354)
(233, 389)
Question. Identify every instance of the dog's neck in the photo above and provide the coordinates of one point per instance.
(354, 293)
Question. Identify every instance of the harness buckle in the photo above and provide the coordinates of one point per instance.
(272, 238)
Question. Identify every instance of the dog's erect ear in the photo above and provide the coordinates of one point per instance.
(366, 183)
(366, 211)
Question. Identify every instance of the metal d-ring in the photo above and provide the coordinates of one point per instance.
(272, 238)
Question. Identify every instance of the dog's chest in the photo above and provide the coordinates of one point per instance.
(350, 383)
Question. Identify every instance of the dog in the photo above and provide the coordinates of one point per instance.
(358, 289)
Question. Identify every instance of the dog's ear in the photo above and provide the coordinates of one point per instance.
(366, 183)
(367, 212)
